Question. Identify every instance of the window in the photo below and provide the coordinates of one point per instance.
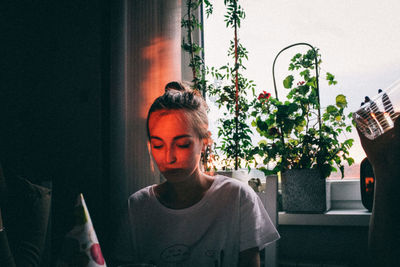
(358, 41)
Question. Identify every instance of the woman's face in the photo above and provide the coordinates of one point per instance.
(174, 144)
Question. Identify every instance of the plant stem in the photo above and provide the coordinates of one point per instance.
(189, 4)
(237, 90)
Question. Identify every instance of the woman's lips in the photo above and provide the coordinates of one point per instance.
(173, 171)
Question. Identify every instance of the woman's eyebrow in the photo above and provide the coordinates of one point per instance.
(175, 138)
(182, 136)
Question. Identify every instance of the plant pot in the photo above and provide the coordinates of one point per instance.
(304, 191)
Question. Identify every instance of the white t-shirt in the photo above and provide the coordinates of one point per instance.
(228, 219)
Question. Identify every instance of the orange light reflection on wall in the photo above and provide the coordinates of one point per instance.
(163, 57)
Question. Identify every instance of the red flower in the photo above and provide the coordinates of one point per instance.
(97, 256)
(264, 95)
(301, 83)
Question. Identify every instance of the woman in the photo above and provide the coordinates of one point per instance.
(193, 219)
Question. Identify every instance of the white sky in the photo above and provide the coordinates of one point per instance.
(359, 41)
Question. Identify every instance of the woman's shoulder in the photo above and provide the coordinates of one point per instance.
(225, 183)
(142, 195)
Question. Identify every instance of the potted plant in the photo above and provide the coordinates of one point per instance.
(301, 138)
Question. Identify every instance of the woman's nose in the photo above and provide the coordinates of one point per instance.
(170, 156)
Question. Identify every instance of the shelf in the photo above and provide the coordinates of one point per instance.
(349, 217)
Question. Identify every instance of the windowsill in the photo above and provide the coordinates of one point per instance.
(337, 217)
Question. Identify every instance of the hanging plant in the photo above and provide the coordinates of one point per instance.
(233, 130)
(190, 23)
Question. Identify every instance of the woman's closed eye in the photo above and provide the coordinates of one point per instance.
(185, 144)
(156, 145)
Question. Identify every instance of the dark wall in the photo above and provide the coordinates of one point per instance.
(75, 85)
(27, 53)
(54, 88)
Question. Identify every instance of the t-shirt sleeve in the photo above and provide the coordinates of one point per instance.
(128, 248)
(256, 228)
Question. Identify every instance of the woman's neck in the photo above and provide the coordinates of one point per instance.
(180, 195)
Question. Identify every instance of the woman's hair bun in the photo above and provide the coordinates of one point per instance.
(182, 88)
(175, 86)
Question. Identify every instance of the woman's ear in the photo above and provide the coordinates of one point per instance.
(149, 147)
(207, 142)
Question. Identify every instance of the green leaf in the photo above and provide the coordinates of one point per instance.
(299, 128)
(262, 142)
(305, 74)
(341, 101)
(330, 78)
(350, 161)
(288, 82)
(331, 109)
(325, 170)
(342, 170)
(348, 142)
(292, 108)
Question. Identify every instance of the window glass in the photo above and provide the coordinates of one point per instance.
(358, 41)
